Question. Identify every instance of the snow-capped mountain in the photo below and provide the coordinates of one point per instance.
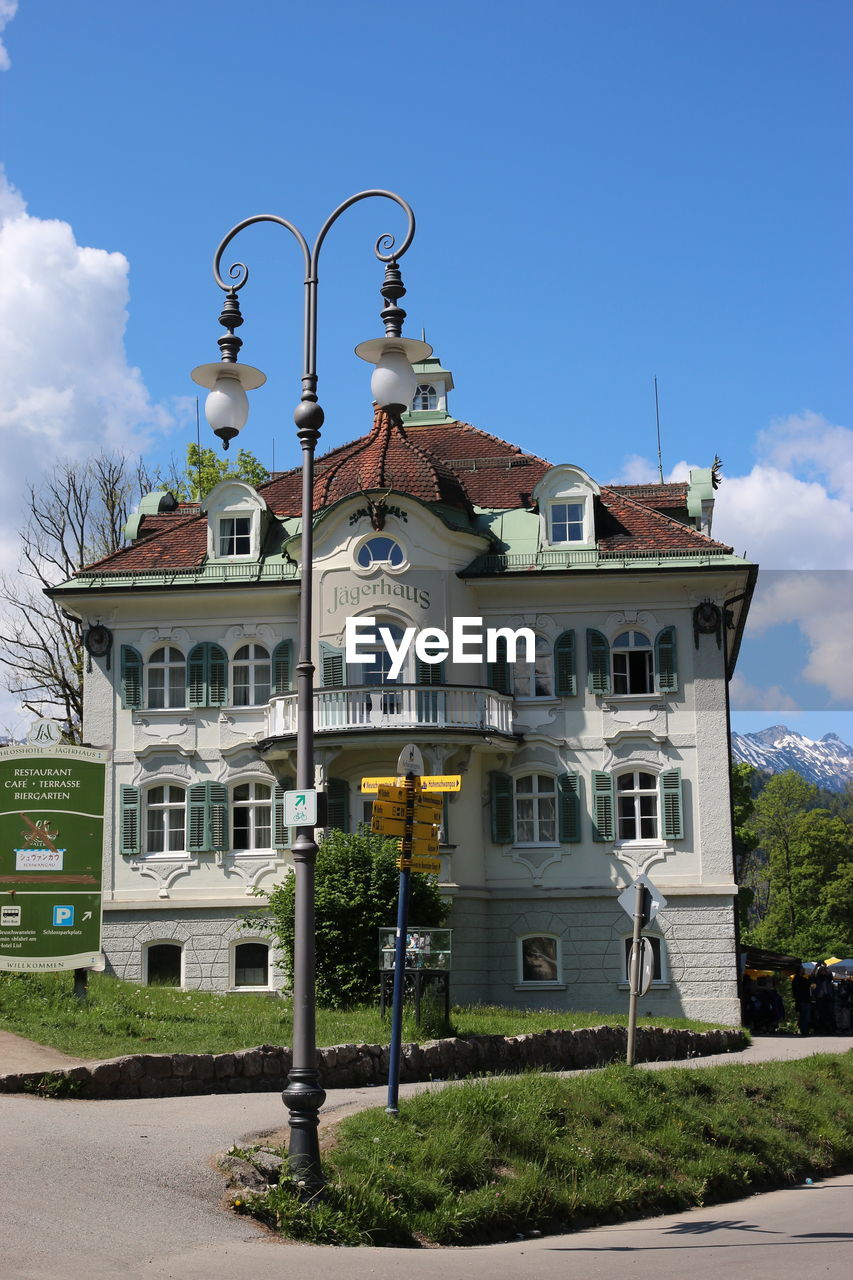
(828, 763)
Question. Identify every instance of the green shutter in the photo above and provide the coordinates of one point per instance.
(332, 664)
(497, 675)
(217, 676)
(666, 663)
(282, 835)
(671, 805)
(197, 677)
(598, 662)
(429, 672)
(337, 793)
(198, 841)
(565, 678)
(131, 677)
(217, 803)
(282, 668)
(503, 817)
(569, 787)
(603, 807)
(131, 821)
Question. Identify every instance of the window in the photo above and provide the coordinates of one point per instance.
(632, 663)
(235, 536)
(657, 970)
(535, 679)
(251, 964)
(166, 678)
(378, 671)
(251, 676)
(163, 964)
(426, 397)
(566, 519)
(637, 806)
(379, 550)
(165, 820)
(535, 810)
(252, 817)
(539, 958)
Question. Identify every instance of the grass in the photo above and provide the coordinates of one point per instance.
(491, 1160)
(120, 1018)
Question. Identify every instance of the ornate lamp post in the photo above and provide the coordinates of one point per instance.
(393, 385)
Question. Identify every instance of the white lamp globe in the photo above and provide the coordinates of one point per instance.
(393, 381)
(227, 405)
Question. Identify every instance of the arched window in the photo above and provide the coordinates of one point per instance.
(379, 550)
(252, 816)
(637, 806)
(539, 958)
(632, 663)
(426, 397)
(251, 964)
(165, 819)
(163, 964)
(167, 683)
(251, 676)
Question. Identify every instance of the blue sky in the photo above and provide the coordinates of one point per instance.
(605, 194)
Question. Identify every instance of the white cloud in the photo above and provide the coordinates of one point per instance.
(748, 697)
(791, 512)
(8, 9)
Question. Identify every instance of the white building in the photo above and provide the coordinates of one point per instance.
(604, 757)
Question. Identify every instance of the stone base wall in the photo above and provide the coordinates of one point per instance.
(350, 1065)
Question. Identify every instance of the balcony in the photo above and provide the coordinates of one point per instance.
(396, 706)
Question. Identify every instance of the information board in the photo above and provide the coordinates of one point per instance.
(51, 857)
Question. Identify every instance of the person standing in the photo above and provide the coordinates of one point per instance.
(801, 990)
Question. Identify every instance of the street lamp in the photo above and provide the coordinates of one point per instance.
(393, 385)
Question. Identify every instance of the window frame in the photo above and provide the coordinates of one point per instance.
(251, 664)
(536, 795)
(167, 666)
(232, 974)
(235, 536)
(630, 674)
(167, 807)
(163, 942)
(252, 804)
(530, 671)
(386, 565)
(539, 983)
(637, 793)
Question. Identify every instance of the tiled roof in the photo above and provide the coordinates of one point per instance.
(454, 464)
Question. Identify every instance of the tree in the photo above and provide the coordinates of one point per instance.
(748, 866)
(809, 853)
(75, 515)
(356, 895)
(205, 469)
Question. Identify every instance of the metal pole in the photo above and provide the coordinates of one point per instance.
(396, 1045)
(634, 971)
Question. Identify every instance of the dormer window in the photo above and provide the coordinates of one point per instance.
(565, 497)
(236, 517)
(235, 536)
(566, 520)
(426, 397)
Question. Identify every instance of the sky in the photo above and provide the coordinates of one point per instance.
(605, 194)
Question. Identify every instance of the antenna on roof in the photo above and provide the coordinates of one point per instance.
(198, 450)
(272, 473)
(657, 417)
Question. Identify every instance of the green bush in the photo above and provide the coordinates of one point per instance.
(357, 885)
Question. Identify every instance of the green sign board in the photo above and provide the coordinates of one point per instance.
(51, 857)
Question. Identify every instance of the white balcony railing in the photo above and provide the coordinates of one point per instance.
(395, 706)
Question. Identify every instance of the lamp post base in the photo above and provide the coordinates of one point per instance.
(303, 1097)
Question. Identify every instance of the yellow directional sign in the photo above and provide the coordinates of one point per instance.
(424, 847)
(370, 786)
(395, 794)
(425, 803)
(426, 866)
(441, 782)
(397, 827)
(384, 809)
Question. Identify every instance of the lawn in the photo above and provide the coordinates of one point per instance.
(120, 1018)
(493, 1160)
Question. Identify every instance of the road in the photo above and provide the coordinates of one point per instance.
(126, 1190)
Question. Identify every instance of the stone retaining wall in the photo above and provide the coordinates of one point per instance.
(148, 1075)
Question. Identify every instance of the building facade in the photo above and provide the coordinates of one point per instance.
(596, 752)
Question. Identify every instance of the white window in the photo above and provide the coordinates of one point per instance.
(426, 397)
(539, 959)
(637, 806)
(378, 551)
(235, 536)
(251, 676)
(633, 670)
(252, 965)
(535, 679)
(165, 819)
(167, 682)
(566, 521)
(535, 809)
(252, 816)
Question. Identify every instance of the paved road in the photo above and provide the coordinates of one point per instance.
(126, 1190)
